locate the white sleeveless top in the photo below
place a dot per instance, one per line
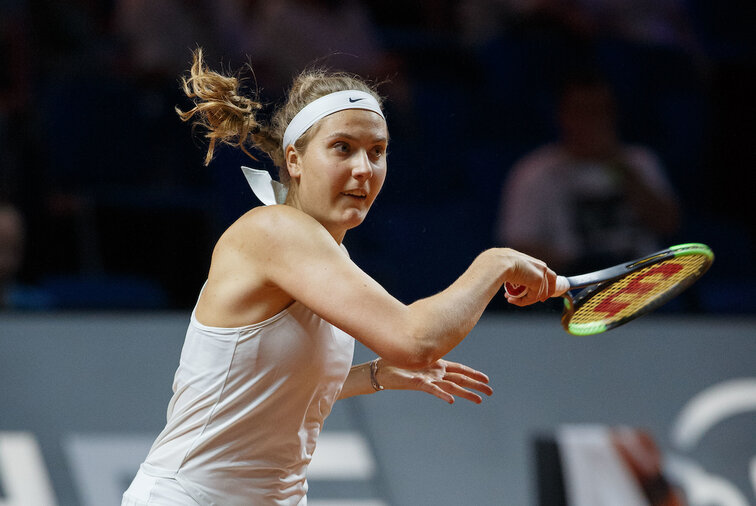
(248, 406)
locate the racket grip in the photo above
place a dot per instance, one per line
(518, 291)
(562, 285)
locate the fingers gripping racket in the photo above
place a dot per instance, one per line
(616, 295)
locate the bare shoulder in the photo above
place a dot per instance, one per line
(242, 283)
(269, 228)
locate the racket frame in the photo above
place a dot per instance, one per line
(599, 280)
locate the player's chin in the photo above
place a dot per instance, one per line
(353, 217)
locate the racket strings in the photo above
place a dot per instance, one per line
(646, 288)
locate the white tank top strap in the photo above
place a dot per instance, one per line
(265, 188)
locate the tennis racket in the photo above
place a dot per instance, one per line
(616, 295)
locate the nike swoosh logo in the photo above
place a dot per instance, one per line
(353, 100)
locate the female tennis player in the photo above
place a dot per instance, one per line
(270, 342)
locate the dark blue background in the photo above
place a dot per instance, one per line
(122, 214)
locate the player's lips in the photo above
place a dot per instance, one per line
(357, 193)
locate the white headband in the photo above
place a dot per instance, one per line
(329, 104)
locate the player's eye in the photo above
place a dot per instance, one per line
(341, 147)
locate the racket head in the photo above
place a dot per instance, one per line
(647, 284)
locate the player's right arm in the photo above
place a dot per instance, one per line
(286, 252)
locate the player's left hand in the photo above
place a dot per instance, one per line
(443, 378)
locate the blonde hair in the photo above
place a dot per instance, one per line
(231, 118)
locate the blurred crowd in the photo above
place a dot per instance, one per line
(105, 204)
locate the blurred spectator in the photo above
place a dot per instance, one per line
(587, 200)
(12, 237)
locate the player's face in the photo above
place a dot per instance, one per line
(342, 169)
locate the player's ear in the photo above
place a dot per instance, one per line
(293, 162)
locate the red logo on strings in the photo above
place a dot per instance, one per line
(637, 287)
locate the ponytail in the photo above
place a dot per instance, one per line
(231, 118)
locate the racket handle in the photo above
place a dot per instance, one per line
(562, 285)
(518, 291)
